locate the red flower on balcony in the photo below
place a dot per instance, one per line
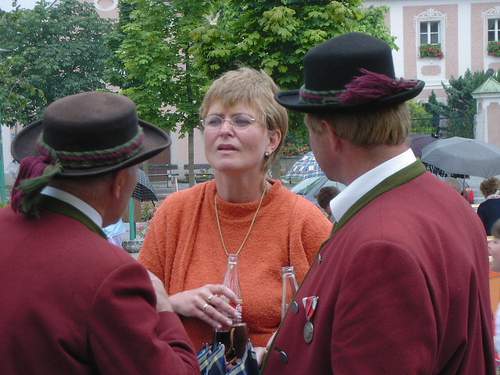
(431, 50)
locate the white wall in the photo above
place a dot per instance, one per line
(179, 149)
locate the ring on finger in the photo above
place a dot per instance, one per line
(205, 306)
(209, 298)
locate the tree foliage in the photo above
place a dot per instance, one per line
(431, 106)
(421, 120)
(154, 61)
(52, 51)
(274, 35)
(166, 52)
(460, 107)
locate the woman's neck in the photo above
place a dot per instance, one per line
(240, 188)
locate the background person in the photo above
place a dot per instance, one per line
(240, 211)
(494, 251)
(454, 184)
(324, 197)
(468, 194)
(73, 303)
(387, 294)
(489, 210)
(116, 232)
(494, 246)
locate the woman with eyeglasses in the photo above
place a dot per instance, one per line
(241, 211)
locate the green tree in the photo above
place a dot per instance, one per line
(19, 99)
(52, 51)
(421, 120)
(115, 73)
(158, 67)
(460, 107)
(433, 107)
(274, 35)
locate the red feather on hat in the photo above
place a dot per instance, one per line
(372, 86)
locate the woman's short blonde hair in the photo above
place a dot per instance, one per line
(489, 186)
(387, 126)
(256, 89)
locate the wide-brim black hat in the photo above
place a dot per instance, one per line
(90, 134)
(349, 73)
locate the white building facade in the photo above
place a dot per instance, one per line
(442, 38)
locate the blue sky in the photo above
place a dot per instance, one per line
(7, 4)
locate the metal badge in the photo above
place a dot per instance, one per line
(308, 331)
(283, 357)
(294, 307)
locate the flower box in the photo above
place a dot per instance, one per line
(494, 49)
(431, 50)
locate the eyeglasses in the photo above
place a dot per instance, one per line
(238, 121)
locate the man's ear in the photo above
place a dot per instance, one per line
(117, 183)
(330, 134)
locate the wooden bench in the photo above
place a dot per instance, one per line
(202, 172)
(162, 172)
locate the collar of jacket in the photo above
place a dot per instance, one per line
(60, 207)
(399, 178)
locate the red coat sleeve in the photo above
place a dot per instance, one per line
(384, 319)
(127, 336)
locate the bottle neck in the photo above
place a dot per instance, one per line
(232, 260)
(231, 278)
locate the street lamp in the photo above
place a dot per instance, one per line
(3, 193)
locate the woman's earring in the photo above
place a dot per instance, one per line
(266, 154)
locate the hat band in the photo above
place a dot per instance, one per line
(319, 97)
(97, 158)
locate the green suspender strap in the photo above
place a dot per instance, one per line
(397, 179)
(60, 207)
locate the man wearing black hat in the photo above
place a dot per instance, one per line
(401, 286)
(72, 303)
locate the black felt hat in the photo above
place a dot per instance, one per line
(348, 73)
(90, 134)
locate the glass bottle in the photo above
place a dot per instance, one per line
(235, 337)
(232, 281)
(288, 289)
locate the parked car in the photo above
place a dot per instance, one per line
(311, 186)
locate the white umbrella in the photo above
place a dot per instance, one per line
(304, 168)
(464, 156)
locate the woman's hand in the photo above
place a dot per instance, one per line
(210, 303)
(162, 300)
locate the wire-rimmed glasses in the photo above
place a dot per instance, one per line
(238, 121)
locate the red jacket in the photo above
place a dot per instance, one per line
(72, 303)
(403, 289)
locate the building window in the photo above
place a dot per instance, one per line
(493, 29)
(429, 32)
(430, 40)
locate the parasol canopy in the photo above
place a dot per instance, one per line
(463, 156)
(144, 190)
